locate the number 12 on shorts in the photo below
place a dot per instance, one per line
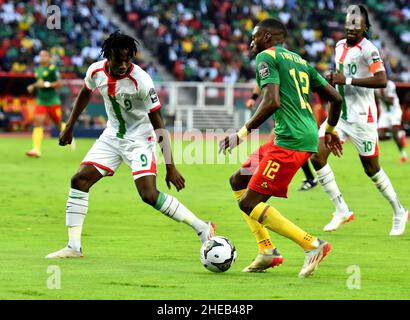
(271, 169)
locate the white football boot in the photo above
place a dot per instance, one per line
(337, 220)
(205, 236)
(66, 252)
(265, 261)
(399, 223)
(313, 258)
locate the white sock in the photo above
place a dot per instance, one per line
(174, 209)
(382, 182)
(327, 180)
(76, 210)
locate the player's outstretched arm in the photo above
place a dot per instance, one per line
(269, 104)
(332, 140)
(379, 80)
(66, 136)
(173, 176)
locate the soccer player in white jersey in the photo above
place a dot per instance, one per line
(359, 70)
(390, 117)
(133, 110)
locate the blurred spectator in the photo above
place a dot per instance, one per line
(76, 45)
(208, 40)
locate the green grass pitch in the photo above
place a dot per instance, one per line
(133, 252)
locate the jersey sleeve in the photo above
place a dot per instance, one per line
(266, 69)
(372, 59)
(88, 80)
(316, 80)
(149, 95)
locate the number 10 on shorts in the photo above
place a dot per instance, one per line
(368, 146)
(271, 169)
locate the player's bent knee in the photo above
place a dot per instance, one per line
(318, 162)
(246, 206)
(233, 180)
(80, 181)
(238, 182)
(149, 197)
(371, 170)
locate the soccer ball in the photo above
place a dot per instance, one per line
(218, 254)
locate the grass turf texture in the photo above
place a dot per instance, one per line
(133, 252)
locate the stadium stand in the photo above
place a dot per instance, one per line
(74, 46)
(395, 17)
(208, 40)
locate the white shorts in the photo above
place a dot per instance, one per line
(363, 135)
(390, 119)
(107, 153)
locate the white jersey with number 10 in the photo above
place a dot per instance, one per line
(359, 61)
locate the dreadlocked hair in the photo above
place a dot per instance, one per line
(118, 41)
(365, 14)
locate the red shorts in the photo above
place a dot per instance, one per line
(273, 168)
(53, 111)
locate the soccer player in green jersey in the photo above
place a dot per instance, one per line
(310, 182)
(48, 101)
(285, 80)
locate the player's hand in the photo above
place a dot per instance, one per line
(31, 88)
(230, 142)
(250, 103)
(329, 77)
(339, 78)
(66, 137)
(39, 83)
(173, 176)
(333, 143)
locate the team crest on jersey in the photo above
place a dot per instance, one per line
(153, 95)
(263, 70)
(264, 184)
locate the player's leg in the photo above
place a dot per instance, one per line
(327, 180)
(76, 210)
(268, 255)
(382, 133)
(399, 137)
(310, 181)
(101, 160)
(381, 180)
(171, 207)
(273, 176)
(40, 113)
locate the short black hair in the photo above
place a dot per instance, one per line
(118, 41)
(273, 24)
(365, 14)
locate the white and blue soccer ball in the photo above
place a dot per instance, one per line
(218, 254)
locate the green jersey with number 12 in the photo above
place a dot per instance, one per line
(295, 125)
